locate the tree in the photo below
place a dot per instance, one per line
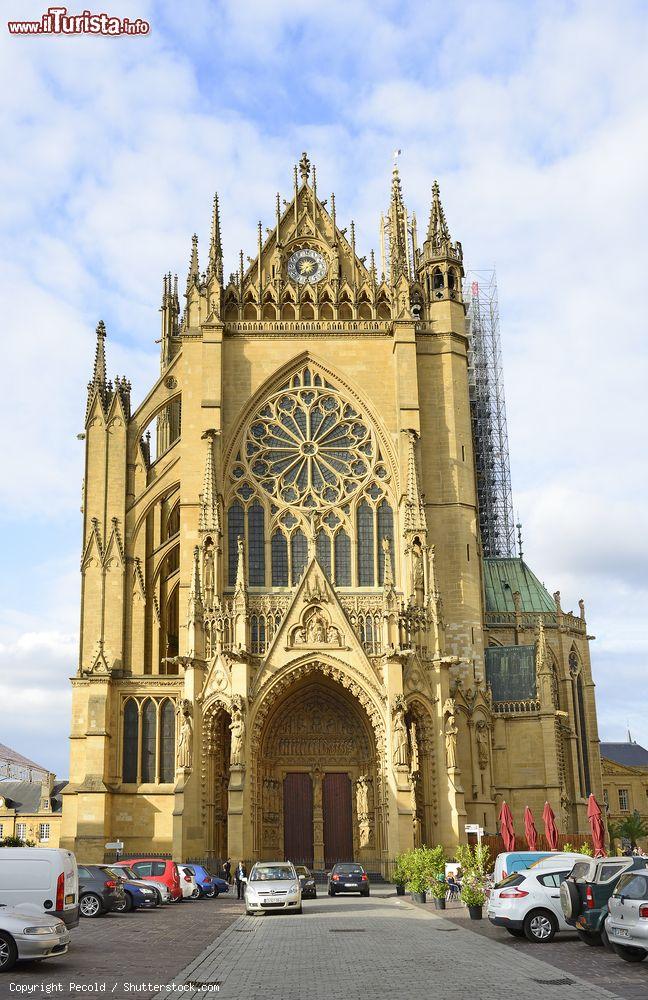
(631, 828)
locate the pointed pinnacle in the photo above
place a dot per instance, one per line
(194, 274)
(99, 370)
(216, 246)
(438, 232)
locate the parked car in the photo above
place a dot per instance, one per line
(209, 885)
(188, 882)
(163, 894)
(348, 877)
(138, 895)
(585, 893)
(100, 891)
(46, 878)
(157, 870)
(627, 922)
(527, 903)
(273, 885)
(307, 880)
(28, 933)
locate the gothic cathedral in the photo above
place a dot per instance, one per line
(292, 644)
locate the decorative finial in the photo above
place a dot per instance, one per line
(304, 168)
(215, 246)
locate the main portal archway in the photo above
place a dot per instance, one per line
(318, 777)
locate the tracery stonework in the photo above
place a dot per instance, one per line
(290, 638)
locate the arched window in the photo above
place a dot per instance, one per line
(365, 545)
(385, 530)
(256, 546)
(167, 742)
(279, 548)
(437, 278)
(235, 527)
(451, 279)
(580, 697)
(342, 559)
(258, 633)
(323, 552)
(147, 769)
(299, 553)
(129, 750)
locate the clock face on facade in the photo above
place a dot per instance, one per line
(306, 266)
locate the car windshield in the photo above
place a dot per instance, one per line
(580, 870)
(348, 869)
(272, 873)
(632, 886)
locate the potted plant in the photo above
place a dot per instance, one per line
(418, 874)
(473, 894)
(399, 874)
(438, 890)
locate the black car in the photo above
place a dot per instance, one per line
(348, 877)
(100, 891)
(307, 882)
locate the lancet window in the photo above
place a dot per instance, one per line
(148, 741)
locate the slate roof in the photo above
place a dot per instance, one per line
(504, 576)
(25, 796)
(13, 757)
(628, 754)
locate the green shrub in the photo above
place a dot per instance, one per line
(473, 891)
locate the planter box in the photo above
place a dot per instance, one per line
(418, 897)
(439, 904)
(400, 890)
(475, 912)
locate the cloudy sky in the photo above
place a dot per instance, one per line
(533, 117)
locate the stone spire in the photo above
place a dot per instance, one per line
(438, 233)
(195, 589)
(195, 612)
(397, 223)
(216, 246)
(415, 519)
(193, 278)
(98, 383)
(209, 517)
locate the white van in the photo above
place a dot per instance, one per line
(45, 877)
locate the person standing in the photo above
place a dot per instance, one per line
(240, 876)
(227, 871)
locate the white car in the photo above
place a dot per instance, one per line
(27, 933)
(46, 877)
(188, 883)
(527, 903)
(273, 885)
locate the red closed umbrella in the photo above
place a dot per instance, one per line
(507, 832)
(551, 830)
(530, 830)
(595, 820)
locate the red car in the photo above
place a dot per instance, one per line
(158, 870)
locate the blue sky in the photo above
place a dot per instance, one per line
(535, 121)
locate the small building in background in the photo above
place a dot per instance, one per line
(625, 782)
(30, 800)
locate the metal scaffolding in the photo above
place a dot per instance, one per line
(488, 412)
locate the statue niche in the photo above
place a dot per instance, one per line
(315, 630)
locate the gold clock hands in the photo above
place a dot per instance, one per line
(306, 266)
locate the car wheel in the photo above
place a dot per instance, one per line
(515, 931)
(195, 894)
(90, 905)
(300, 910)
(331, 893)
(540, 926)
(591, 940)
(629, 954)
(8, 952)
(126, 904)
(211, 892)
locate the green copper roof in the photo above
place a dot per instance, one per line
(502, 577)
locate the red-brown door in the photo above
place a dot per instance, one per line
(298, 818)
(338, 819)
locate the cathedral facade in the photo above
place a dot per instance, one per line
(291, 644)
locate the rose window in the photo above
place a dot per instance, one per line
(310, 448)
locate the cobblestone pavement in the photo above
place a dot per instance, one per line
(149, 946)
(382, 947)
(568, 954)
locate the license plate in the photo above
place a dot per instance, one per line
(621, 932)
(350, 885)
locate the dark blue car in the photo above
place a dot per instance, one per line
(348, 878)
(137, 897)
(209, 885)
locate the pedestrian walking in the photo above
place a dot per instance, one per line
(239, 877)
(227, 871)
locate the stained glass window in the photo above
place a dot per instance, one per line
(299, 553)
(279, 546)
(385, 530)
(365, 519)
(167, 742)
(129, 752)
(256, 546)
(342, 559)
(323, 551)
(148, 741)
(235, 527)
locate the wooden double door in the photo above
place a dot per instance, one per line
(299, 818)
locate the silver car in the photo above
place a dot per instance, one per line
(27, 933)
(273, 885)
(627, 922)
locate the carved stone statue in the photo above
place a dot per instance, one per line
(482, 745)
(208, 572)
(237, 729)
(317, 629)
(451, 732)
(400, 735)
(414, 763)
(418, 573)
(362, 797)
(185, 739)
